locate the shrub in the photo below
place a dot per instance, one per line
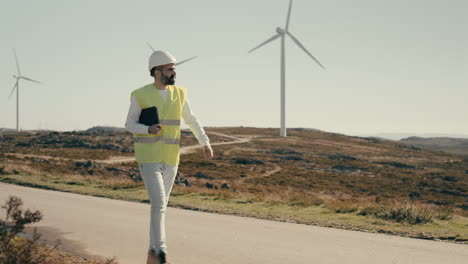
(400, 214)
(247, 161)
(17, 250)
(12, 248)
(444, 213)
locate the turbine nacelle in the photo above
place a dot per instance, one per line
(280, 31)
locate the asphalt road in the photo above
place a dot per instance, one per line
(91, 226)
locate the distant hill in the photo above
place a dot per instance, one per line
(89, 130)
(101, 129)
(450, 145)
(399, 136)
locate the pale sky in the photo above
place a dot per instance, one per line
(392, 66)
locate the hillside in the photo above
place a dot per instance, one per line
(450, 145)
(308, 169)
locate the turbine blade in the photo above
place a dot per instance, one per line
(179, 63)
(289, 15)
(303, 48)
(26, 78)
(17, 64)
(149, 45)
(14, 87)
(265, 42)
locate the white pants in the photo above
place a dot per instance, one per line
(158, 179)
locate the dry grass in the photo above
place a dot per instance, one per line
(308, 169)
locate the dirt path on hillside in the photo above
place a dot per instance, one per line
(122, 159)
(266, 174)
(236, 140)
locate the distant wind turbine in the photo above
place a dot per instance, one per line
(178, 63)
(282, 33)
(16, 86)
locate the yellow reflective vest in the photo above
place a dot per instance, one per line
(163, 147)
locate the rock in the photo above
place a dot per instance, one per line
(201, 175)
(34, 160)
(187, 183)
(107, 147)
(449, 178)
(397, 164)
(179, 180)
(24, 144)
(3, 171)
(115, 169)
(294, 158)
(6, 138)
(348, 168)
(414, 195)
(126, 150)
(104, 129)
(344, 167)
(453, 193)
(88, 164)
(136, 177)
(423, 184)
(225, 186)
(247, 161)
(76, 143)
(341, 157)
(211, 186)
(285, 152)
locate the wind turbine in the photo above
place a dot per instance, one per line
(280, 32)
(178, 63)
(16, 86)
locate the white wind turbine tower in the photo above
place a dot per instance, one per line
(282, 33)
(16, 86)
(177, 63)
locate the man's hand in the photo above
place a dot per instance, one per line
(155, 129)
(208, 152)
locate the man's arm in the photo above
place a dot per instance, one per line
(197, 129)
(133, 115)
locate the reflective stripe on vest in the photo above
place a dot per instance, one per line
(156, 139)
(147, 139)
(170, 122)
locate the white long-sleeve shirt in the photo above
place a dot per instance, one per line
(190, 119)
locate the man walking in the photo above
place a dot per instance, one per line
(157, 146)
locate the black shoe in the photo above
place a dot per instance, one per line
(162, 257)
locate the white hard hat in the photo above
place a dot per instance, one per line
(160, 57)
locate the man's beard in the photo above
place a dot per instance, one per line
(169, 80)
